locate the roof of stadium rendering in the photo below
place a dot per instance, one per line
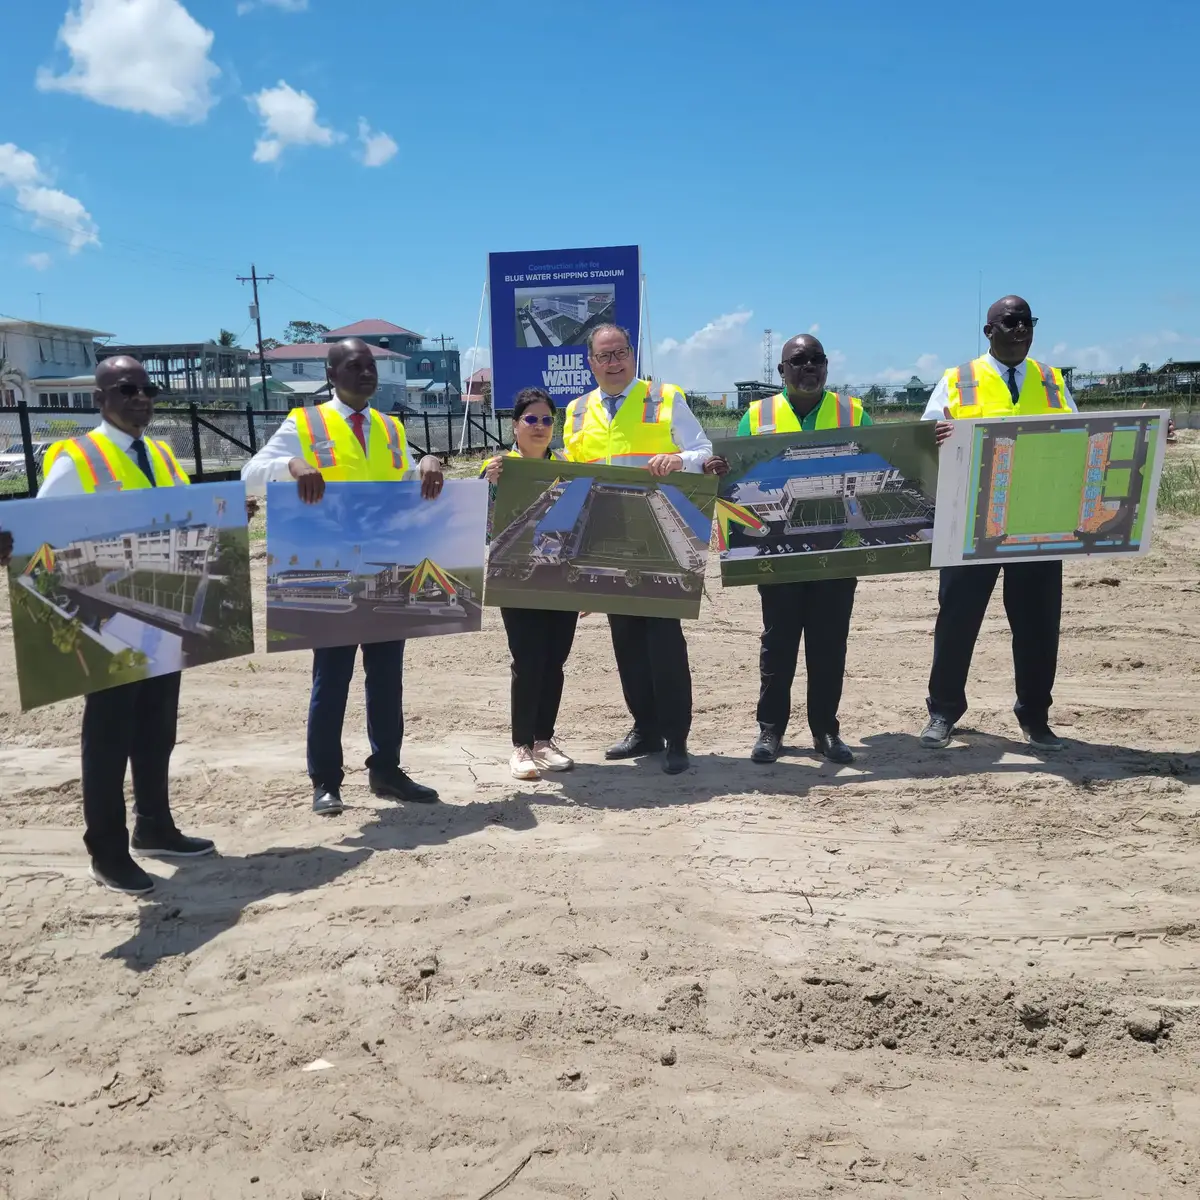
(693, 517)
(564, 512)
(775, 472)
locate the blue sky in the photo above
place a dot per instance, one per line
(849, 166)
(62, 519)
(390, 522)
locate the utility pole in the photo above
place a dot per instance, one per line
(442, 339)
(254, 279)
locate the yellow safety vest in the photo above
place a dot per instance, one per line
(328, 443)
(640, 430)
(776, 415)
(101, 463)
(977, 389)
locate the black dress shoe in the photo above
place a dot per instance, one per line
(1042, 737)
(327, 802)
(766, 749)
(633, 745)
(395, 785)
(122, 875)
(676, 761)
(170, 843)
(831, 746)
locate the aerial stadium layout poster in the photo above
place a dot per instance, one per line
(373, 562)
(115, 587)
(592, 538)
(1022, 490)
(827, 504)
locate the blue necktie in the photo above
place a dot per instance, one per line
(143, 460)
(610, 403)
(1013, 390)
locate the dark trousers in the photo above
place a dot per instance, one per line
(819, 611)
(539, 642)
(1033, 602)
(383, 664)
(128, 726)
(652, 660)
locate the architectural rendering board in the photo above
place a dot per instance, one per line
(115, 587)
(827, 504)
(1019, 490)
(592, 538)
(373, 562)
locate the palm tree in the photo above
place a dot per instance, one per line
(225, 338)
(12, 379)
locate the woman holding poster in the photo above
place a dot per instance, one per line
(538, 639)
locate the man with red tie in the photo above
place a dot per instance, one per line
(347, 439)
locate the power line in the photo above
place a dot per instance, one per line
(320, 303)
(255, 279)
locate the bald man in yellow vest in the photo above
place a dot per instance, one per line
(818, 610)
(347, 439)
(625, 421)
(1003, 383)
(130, 728)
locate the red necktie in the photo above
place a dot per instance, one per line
(356, 423)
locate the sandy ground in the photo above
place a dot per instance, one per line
(912, 977)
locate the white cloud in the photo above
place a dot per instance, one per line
(39, 262)
(483, 358)
(289, 118)
(378, 148)
(146, 56)
(293, 6)
(928, 365)
(711, 359)
(50, 208)
(814, 328)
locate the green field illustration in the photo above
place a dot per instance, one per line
(600, 539)
(1072, 485)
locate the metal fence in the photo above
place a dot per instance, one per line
(214, 443)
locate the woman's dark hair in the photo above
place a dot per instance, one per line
(526, 398)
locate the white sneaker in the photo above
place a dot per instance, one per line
(522, 763)
(550, 758)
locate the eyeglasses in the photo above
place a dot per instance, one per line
(129, 390)
(530, 419)
(804, 360)
(1012, 324)
(613, 356)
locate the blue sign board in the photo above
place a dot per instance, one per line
(543, 305)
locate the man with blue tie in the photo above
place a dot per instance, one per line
(130, 727)
(346, 439)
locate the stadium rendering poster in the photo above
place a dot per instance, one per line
(543, 305)
(1021, 490)
(827, 504)
(116, 587)
(373, 562)
(578, 536)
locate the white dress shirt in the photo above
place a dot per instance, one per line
(694, 445)
(63, 479)
(270, 464)
(936, 408)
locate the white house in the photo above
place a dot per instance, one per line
(303, 363)
(50, 366)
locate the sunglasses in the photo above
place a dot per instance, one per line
(1012, 324)
(530, 419)
(804, 360)
(129, 390)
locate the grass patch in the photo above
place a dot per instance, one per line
(1179, 488)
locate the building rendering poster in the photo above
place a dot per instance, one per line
(828, 504)
(1022, 490)
(373, 562)
(116, 587)
(590, 538)
(543, 305)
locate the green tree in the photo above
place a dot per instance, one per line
(304, 332)
(271, 344)
(227, 338)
